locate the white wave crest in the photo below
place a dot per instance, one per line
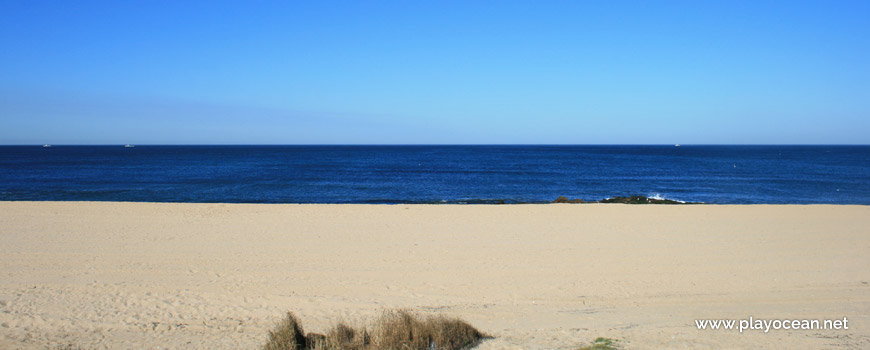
(659, 196)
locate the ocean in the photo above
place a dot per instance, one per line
(436, 174)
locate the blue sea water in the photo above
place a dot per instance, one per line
(435, 174)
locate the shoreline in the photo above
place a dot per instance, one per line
(218, 275)
(687, 204)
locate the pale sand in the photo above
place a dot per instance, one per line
(216, 276)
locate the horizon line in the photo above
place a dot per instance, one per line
(430, 144)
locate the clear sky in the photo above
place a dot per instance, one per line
(434, 72)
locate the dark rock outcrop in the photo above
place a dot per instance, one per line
(563, 199)
(639, 200)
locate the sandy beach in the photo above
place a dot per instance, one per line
(217, 276)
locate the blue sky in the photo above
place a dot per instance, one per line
(410, 72)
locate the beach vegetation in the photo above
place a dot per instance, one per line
(393, 330)
(601, 343)
(70, 347)
(287, 335)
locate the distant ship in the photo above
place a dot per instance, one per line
(128, 146)
(46, 146)
(677, 145)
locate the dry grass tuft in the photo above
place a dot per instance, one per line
(394, 330)
(345, 337)
(288, 335)
(403, 330)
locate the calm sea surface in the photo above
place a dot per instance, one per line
(435, 174)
